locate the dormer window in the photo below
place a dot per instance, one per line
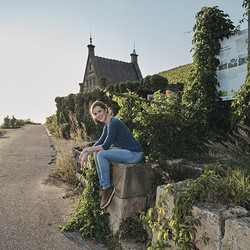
(90, 66)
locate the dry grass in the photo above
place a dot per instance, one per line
(65, 165)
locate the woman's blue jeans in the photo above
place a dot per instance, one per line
(103, 157)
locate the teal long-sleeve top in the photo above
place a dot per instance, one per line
(117, 134)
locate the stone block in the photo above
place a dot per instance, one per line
(186, 169)
(132, 180)
(212, 218)
(124, 208)
(168, 204)
(237, 234)
(114, 222)
(168, 198)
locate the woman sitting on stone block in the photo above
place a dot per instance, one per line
(126, 148)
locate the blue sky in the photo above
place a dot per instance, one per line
(43, 45)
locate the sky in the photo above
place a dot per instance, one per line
(43, 44)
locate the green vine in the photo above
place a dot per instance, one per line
(200, 96)
(88, 218)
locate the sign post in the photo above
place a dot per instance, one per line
(232, 70)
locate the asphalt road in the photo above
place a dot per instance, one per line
(32, 211)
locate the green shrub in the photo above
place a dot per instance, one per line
(159, 125)
(241, 104)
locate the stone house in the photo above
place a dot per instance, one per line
(101, 71)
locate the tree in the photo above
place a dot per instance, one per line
(13, 122)
(6, 122)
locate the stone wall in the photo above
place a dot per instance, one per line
(133, 191)
(228, 228)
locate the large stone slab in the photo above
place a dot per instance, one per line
(132, 180)
(212, 218)
(167, 197)
(129, 207)
(237, 234)
(120, 209)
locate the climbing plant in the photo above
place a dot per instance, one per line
(88, 218)
(200, 94)
(241, 103)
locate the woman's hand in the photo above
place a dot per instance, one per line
(83, 158)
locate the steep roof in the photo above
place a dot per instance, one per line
(114, 71)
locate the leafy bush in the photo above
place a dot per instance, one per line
(159, 125)
(133, 228)
(241, 104)
(1, 132)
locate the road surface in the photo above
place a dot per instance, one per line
(32, 211)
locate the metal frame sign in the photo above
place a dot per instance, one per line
(232, 70)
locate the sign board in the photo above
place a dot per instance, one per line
(232, 70)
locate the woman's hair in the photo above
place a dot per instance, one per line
(100, 104)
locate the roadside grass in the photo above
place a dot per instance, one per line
(1, 132)
(64, 167)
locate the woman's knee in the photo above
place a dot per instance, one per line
(100, 154)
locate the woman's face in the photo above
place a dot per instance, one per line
(99, 113)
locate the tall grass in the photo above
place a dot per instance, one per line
(237, 149)
(65, 165)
